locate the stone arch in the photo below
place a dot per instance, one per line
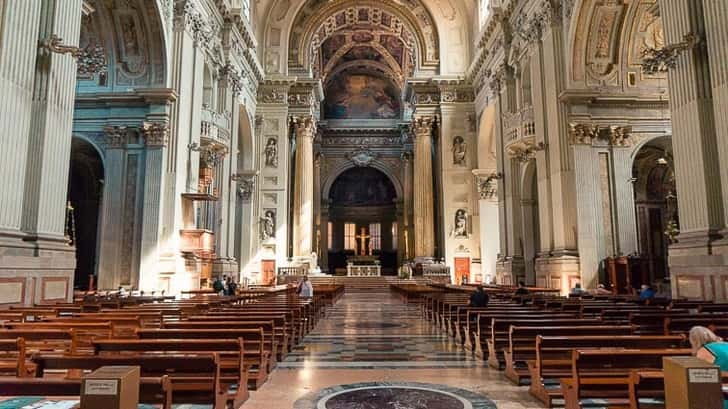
(130, 37)
(486, 139)
(608, 39)
(449, 17)
(247, 158)
(344, 166)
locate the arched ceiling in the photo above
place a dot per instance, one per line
(126, 38)
(303, 36)
(609, 39)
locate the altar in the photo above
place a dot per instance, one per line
(363, 266)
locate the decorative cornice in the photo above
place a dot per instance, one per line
(233, 77)
(156, 134)
(246, 184)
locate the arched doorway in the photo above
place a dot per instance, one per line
(85, 192)
(656, 207)
(362, 198)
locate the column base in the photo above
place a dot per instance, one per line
(35, 270)
(510, 270)
(559, 272)
(699, 266)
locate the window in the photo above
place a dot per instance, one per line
(375, 231)
(484, 11)
(330, 235)
(394, 235)
(350, 236)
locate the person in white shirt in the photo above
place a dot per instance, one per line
(305, 288)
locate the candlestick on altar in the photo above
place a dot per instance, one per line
(406, 244)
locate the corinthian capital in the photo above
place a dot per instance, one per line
(115, 136)
(422, 126)
(304, 126)
(155, 133)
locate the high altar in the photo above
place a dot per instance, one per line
(364, 264)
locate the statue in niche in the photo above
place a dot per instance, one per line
(459, 151)
(271, 153)
(460, 229)
(268, 225)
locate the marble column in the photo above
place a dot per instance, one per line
(405, 228)
(49, 142)
(716, 21)
(423, 191)
(303, 195)
(156, 136)
(111, 226)
(697, 271)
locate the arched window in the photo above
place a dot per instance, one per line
(484, 11)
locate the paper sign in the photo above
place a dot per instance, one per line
(703, 375)
(101, 386)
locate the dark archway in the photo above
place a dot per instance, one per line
(85, 193)
(656, 207)
(362, 197)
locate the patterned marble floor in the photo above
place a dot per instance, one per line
(374, 338)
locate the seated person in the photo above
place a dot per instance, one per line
(646, 292)
(479, 299)
(522, 290)
(577, 290)
(710, 348)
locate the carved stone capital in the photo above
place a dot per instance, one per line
(233, 78)
(156, 134)
(525, 152)
(304, 127)
(188, 18)
(487, 184)
(422, 126)
(115, 136)
(595, 134)
(246, 185)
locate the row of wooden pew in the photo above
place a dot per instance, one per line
(572, 352)
(203, 350)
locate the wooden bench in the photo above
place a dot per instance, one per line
(604, 374)
(12, 357)
(255, 355)
(522, 344)
(152, 391)
(194, 378)
(554, 357)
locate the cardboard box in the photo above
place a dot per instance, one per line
(111, 387)
(691, 383)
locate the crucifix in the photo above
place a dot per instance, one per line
(362, 238)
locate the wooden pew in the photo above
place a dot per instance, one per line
(256, 356)
(231, 352)
(522, 344)
(554, 357)
(604, 374)
(152, 391)
(194, 378)
(12, 357)
(650, 384)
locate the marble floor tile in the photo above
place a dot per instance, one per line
(374, 338)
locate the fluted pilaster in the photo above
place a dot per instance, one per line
(305, 129)
(423, 194)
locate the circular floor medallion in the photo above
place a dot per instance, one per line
(382, 395)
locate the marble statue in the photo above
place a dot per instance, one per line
(271, 153)
(460, 230)
(459, 151)
(268, 226)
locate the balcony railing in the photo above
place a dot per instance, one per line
(519, 125)
(215, 127)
